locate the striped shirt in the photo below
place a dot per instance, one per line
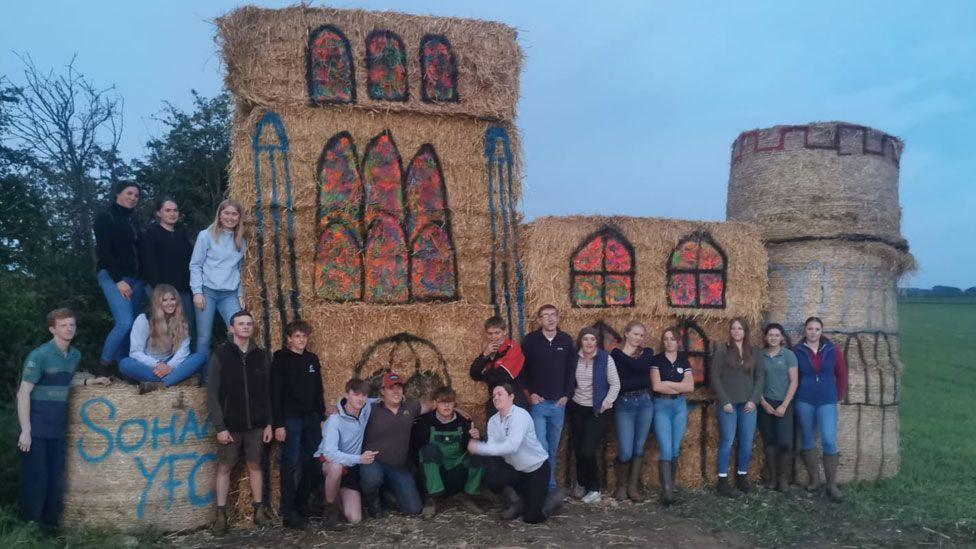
(51, 372)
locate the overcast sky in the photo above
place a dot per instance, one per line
(640, 98)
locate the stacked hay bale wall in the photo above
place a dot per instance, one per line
(639, 254)
(825, 198)
(139, 461)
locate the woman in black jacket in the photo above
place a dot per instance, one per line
(164, 252)
(117, 248)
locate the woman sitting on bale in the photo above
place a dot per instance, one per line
(215, 271)
(159, 347)
(671, 379)
(594, 388)
(633, 410)
(776, 413)
(117, 238)
(738, 382)
(522, 472)
(823, 383)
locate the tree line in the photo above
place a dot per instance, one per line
(59, 157)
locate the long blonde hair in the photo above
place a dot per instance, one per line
(216, 227)
(166, 332)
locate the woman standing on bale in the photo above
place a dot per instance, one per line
(117, 247)
(823, 383)
(776, 413)
(165, 253)
(634, 410)
(594, 388)
(215, 271)
(738, 382)
(671, 379)
(159, 353)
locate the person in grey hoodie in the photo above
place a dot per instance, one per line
(341, 453)
(215, 271)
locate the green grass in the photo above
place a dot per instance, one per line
(936, 487)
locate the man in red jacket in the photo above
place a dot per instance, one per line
(500, 362)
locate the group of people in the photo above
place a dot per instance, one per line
(375, 453)
(187, 283)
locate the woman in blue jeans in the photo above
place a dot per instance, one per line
(823, 383)
(159, 354)
(215, 271)
(634, 410)
(117, 238)
(738, 380)
(671, 380)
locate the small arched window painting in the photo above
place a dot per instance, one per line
(438, 68)
(338, 266)
(602, 271)
(697, 273)
(385, 262)
(386, 66)
(382, 177)
(330, 67)
(692, 340)
(432, 265)
(340, 187)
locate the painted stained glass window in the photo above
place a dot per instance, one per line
(438, 68)
(433, 267)
(330, 67)
(602, 271)
(385, 251)
(692, 340)
(607, 338)
(697, 273)
(338, 265)
(386, 66)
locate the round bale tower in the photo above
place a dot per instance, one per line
(825, 199)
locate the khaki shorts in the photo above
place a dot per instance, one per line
(252, 442)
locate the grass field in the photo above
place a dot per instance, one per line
(932, 500)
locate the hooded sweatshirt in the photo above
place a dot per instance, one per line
(342, 434)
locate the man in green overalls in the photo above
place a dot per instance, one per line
(441, 438)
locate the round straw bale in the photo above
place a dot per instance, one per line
(139, 461)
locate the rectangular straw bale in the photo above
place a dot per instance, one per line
(265, 54)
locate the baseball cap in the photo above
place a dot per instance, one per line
(391, 379)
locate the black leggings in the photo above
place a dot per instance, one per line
(533, 487)
(776, 431)
(587, 433)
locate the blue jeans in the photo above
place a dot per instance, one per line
(123, 310)
(42, 481)
(670, 420)
(137, 371)
(739, 424)
(809, 417)
(547, 418)
(632, 416)
(298, 468)
(225, 301)
(375, 475)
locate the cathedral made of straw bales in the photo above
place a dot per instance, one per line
(377, 160)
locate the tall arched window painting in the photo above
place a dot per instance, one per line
(692, 340)
(338, 261)
(385, 251)
(438, 70)
(433, 265)
(386, 66)
(602, 271)
(697, 273)
(329, 67)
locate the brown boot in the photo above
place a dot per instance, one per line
(667, 484)
(783, 464)
(261, 515)
(219, 527)
(634, 480)
(810, 460)
(623, 471)
(769, 467)
(331, 515)
(830, 471)
(674, 474)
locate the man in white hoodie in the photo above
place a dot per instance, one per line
(341, 453)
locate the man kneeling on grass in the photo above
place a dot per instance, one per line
(441, 437)
(341, 453)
